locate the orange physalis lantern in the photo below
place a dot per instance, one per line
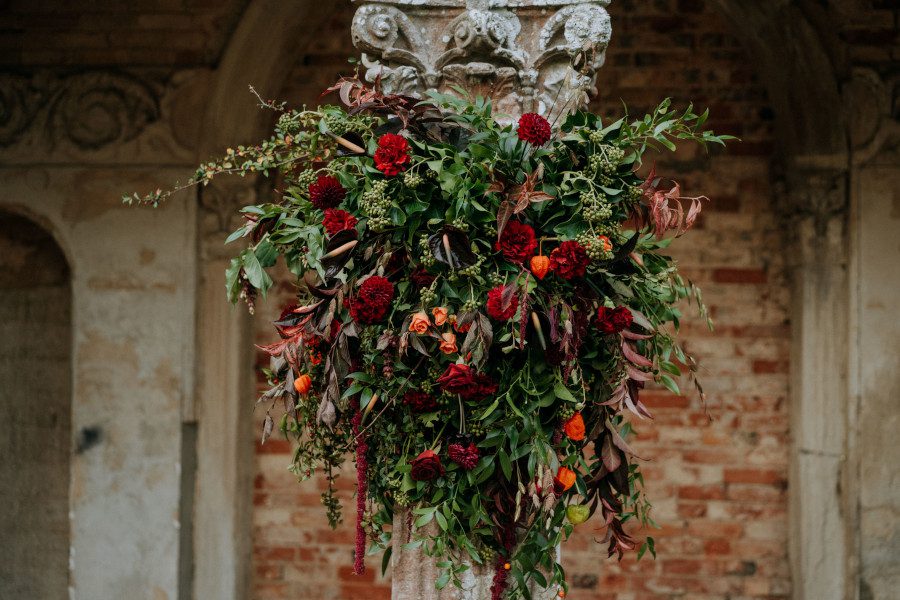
(565, 478)
(540, 265)
(574, 427)
(302, 384)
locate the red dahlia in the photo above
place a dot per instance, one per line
(497, 308)
(534, 129)
(419, 402)
(517, 242)
(464, 456)
(337, 220)
(326, 192)
(392, 155)
(613, 320)
(569, 260)
(372, 301)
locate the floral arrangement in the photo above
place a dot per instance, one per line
(478, 306)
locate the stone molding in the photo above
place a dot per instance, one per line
(527, 55)
(99, 116)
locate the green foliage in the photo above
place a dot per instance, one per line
(432, 230)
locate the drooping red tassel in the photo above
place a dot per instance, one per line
(362, 488)
(499, 584)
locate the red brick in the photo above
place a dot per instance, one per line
(755, 276)
(770, 366)
(764, 476)
(717, 546)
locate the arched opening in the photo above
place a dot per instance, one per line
(35, 411)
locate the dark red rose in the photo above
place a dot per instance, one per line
(326, 192)
(421, 277)
(462, 380)
(337, 220)
(496, 307)
(464, 456)
(392, 155)
(613, 320)
(419, 402)
(372, 301)
(517, 243)
(426, 466)
(569, 260)
(534, 129)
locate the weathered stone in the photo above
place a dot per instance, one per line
(527, 55)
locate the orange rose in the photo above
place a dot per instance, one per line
(565, 478)
(448, 343)
(420, 323)
(574, 427)
(440, 315)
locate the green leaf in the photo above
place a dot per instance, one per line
(505, 464)
(563, 393)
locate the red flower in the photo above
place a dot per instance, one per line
(326, 192)
(613, 320)
(464, 456)
(392, 155)
(569, 260)
(337, 220)
(372, 301)
(460, 379)
(421, 277)
(426, 466)
(517, 242)
(534, 129)
(496, 307)
(419, 402)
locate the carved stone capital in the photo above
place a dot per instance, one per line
(220, 203)
(527, 55)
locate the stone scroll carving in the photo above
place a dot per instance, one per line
(87, 110)
(527, 55)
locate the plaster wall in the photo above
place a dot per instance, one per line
(133, 280)
(878, 399)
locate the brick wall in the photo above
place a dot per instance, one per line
(719, 487)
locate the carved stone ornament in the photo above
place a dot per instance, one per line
(87, 110)
(527, 55)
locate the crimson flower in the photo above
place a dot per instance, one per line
(392, 155)
(534, 129)
(426, 466)
(613, 320)
(569, 260)
(421, 277)
(337, 220)
(372, 301)
(419, 402)
(517, 242)
(497, 309)
(462, 380)
(464, 456)
(326, 192)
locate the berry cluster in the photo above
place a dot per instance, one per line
(412, 180)
(598, 248)
(597, 209)
(375, 204)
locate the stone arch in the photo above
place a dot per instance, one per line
(35, 409)
(261, 52)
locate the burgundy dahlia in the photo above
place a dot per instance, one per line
(569, 260)
(497, 308)
(392, 154)
(419, 402)
(337, 220)
(326, 192)
(372, 301)
(426, 466)
(464, 456)
(517, 243)
(534, 129)
(613, 320)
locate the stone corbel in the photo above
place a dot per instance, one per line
(220, 203)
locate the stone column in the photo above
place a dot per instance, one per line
(527, 56)
(818, 500)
